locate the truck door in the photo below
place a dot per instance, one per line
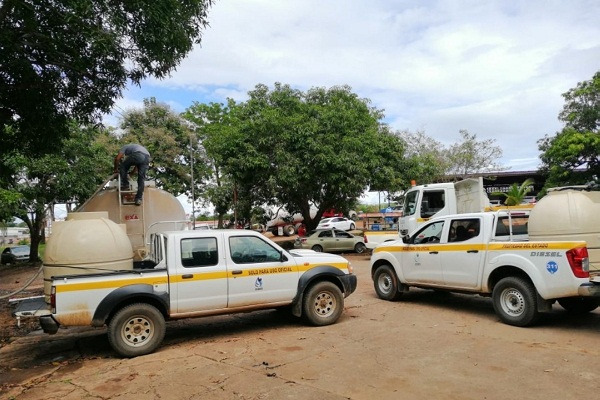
(461, 261)
(421, 258)
(256, 273)
(201, 275)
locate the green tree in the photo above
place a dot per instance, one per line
(322, 147)
(516, 193)
(70, 59)
(471, 156)
(426, 157)
(213, 124)
(572, 156)
(171, 144)
(38, 183)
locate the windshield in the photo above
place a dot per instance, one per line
(410, 201)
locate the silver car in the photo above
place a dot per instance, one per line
(331, 240)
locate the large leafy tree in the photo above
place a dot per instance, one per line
(322, 147)
(572, 156)
(471, 155)
(171, 143)
(69, 176)
(70, 59)
(426, 157)
(213, 125)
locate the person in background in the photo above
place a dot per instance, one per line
(133, 155)
(302, 230)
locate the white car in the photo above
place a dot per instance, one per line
(342, 223)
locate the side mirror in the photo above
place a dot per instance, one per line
(282, 257)
(406, 239)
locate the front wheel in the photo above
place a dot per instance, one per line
(515, 301)
(386, 283)
(136, 329)
(323, 304)
(578, 305)
(352, 227)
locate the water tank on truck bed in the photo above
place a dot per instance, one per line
(569, 213)
(159, 211)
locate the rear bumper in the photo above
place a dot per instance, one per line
(589, 289)
(349, 282)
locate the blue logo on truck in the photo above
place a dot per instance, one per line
(552, 267)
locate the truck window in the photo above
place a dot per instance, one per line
(518, 222)
(464, 229)
(199, 252)
(250, 250)
(433, 201)
(429, 234)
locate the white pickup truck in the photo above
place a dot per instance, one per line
(198, 273)
(472, 253)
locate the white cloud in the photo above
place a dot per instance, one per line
(495, 68)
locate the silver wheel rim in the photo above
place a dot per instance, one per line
(512, 302)
(385, 283)
(137, 331)
(325, 304)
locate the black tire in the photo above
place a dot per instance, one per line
(322, 304)
(289, 230)
(579, 305)
(515, 301)
(317, 248)
(352, 227)
(136, 329)
(386, 283)
(360, 248)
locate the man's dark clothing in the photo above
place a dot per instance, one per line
(137, 155)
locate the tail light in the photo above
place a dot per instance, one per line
(579, 262)
(366, 240)
(53, 300)
(303, 240)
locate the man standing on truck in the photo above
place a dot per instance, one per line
(138, 156)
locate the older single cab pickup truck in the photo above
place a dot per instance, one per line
(470, 253)
(199, 273)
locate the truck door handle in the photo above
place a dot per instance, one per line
(187, 276)
(472, 251)
(236, 272)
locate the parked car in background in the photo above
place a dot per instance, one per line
(330, 240)
(11, 255)
(342, 223)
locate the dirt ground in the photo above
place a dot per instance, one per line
(428, 345)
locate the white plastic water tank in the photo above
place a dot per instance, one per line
(568, 214)
(86, 243)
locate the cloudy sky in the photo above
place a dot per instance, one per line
(496, 68)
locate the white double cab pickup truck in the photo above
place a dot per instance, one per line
(476, 253)
(198, 273)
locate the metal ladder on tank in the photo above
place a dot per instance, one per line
(132, 216)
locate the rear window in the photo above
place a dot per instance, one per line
(519, 225)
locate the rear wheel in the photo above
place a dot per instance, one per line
(136, 329)
(317, 248)
(578, 305)
(352, 227)
(515, 301)
(323, 304)
(359, 247)
(386, 283)
(289, 230)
